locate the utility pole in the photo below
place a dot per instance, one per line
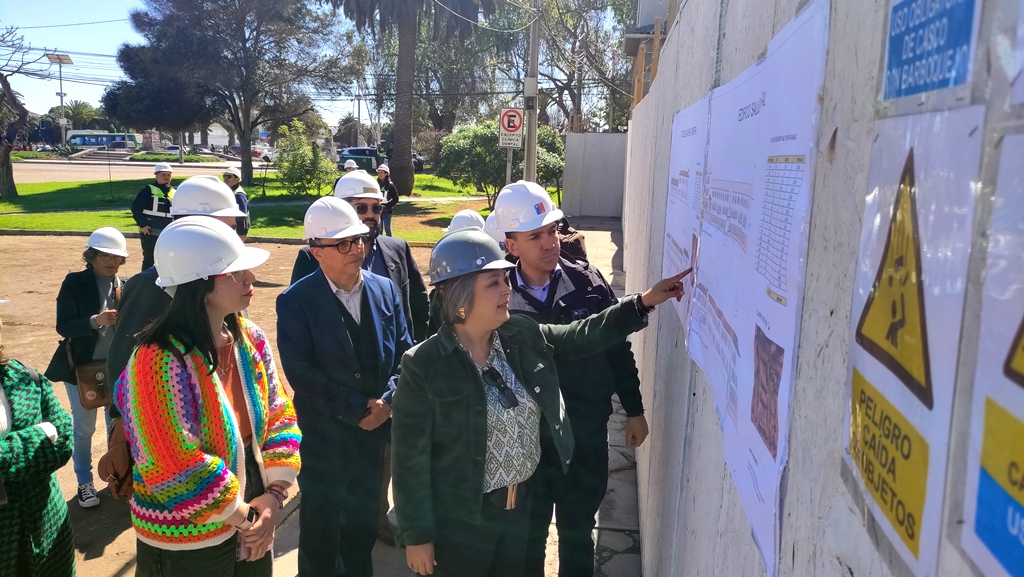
(359, 117)
(530, 97)
(60, 60)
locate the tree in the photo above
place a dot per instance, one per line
(257, 56)
(300, 165)
(451, 17)
(470, 156)
(13, 114)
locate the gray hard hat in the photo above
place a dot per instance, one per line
(465, 252)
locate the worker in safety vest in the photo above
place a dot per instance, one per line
(152, 210)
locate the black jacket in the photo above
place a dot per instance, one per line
(152, 206)
(439, 429)
(77, 301)
(588, 383)
(141, 303)
(402, 271)
(390, 192)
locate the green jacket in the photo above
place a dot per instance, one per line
(439, 420)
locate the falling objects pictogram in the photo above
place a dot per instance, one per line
(892, 326)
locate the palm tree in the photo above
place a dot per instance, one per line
(79, 112)
(451, 17)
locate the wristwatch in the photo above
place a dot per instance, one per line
(642, 309)
(250, 518)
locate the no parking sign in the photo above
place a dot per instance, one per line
(510, 128)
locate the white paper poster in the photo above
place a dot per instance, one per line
(685, 196)
(993, 528)
(746, 304)
(905, 322)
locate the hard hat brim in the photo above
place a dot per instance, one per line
(113, 251)
(500, 264)
(354, 230)
(250, 258)
(539, 222)
(369, 195)
(232, 211)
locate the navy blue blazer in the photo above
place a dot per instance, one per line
(317, 353)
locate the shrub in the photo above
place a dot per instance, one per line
(301, 167)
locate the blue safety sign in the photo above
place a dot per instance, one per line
(930, 46)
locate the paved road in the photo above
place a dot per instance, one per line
(72, 172)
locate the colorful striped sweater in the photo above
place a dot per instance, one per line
(189, 473)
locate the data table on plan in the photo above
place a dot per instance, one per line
(784, 179)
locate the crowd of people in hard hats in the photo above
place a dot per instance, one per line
(484, 407)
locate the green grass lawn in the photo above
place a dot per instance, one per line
(420, 222)
(19, 155)
(173, 158)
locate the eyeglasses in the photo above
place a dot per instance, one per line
(227, 176)
(365, 208)
(236, 277)
(345, 246)
(506, 396)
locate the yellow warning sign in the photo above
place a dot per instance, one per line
(892, 457)
(892, 327)
(1014, 366)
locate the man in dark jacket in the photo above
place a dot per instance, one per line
(233, 178)
(390, 192)
(554, 289)
(386, 255)
(341, 337)
(151, 210)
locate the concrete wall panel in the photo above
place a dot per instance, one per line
(692, 521)
(595, 165)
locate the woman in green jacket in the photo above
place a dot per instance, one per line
(35, 441)
(467, 412)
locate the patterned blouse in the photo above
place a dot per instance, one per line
(513, 435)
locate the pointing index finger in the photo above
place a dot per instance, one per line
(682, 275)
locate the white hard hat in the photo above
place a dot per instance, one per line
(492, 230)
(331, 217)
(384, 167)
(524, 206)
(204, 195)
(162, 167)
(465, 219)
(351, 164)
(192, 248)
(233, 172)
(357, 184)
(109, 240)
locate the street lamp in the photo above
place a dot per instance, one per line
(60, 60)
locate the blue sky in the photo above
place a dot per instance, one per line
(92, 48)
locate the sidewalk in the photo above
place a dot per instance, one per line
(618, 525)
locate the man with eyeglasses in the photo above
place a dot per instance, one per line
(233, 178)
(384, 255)
(341, 335)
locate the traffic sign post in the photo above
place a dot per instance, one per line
(510, 135)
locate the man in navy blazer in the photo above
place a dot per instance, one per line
(385, 255)
(341, 335)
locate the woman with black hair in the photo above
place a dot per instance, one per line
(213, 436)
(86, 313)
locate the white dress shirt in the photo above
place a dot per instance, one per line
(352, 300)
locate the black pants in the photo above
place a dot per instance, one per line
(216, 561)
(575, 498)
(148, 244)
(492, 548)
(338, 517)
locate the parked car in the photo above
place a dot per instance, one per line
(172, 149)
(366, 157)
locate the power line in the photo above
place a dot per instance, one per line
(479, 25)
(66, 25)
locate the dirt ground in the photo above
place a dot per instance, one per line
(31, 271)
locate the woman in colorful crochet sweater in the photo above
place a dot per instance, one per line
(35, 441)
(213, 436)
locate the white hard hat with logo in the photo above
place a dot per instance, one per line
(204, 195)
(109, 240)
(193, 247)
(162, 167)
(357, 184)
(524, 206)
(351, 164)
(465, 219)
(331, 217)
